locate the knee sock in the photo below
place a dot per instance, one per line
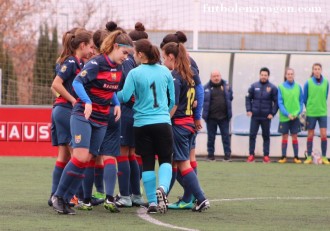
(109, 176)
(191, 182)
(98, 178)
(173, 179)
(284, 147)
(164, 176)
(135, 175)
(193, 164)
(57, 173)
(295, 148)
(139, 161)
(123, 175)
(88, 180)
(309, 146)
(324, 144)
(149, 182)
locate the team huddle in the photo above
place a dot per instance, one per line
(118, 110)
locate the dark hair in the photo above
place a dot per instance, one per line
(118, 37)
(315, 64)
(182, 62)
(71, 42)
(138, 33)
(151, 51)
(177, 37)
(98, 38)
(112, 26)
(264, 69)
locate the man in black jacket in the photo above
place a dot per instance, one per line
(261, 105)
(217, 111)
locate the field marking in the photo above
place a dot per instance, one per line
(269, 198)
(143, 215)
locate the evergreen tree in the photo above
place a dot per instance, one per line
(9, 79)
(44, 66)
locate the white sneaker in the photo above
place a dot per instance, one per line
(124, 201)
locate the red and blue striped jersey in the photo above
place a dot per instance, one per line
(101, 78)
(184, 99)
(67, 72)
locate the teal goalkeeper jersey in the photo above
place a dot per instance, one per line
(153, 89)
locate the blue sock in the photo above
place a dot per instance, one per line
(135, 175)
(190, 182)
(139, 161)
(173, 179)
(124, 173)
(295, 148)
(284, 147)
(165, 176)
(88, 180)
(149, 182)
(324, 144)
(309, 146)
(80, 193)
(57, 173)
(98, 178)
(73, 173)
(110, 176)
(179, 178)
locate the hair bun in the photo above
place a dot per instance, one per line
(139, 26)
(111, 26)
(181, 36)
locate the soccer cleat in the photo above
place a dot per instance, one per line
(325, 160)
(85, 206)
(99, 195)
(68, 210)
(250, 159)
(282, 160)
(111, 206)
(181, 205)
(152, 208)
(266, 159)
(50, 200)
(308, 160)
(74, 201)
(161, 200)
(58, 204)
(199, 207)
(296, 160)
(137, 200)
(124, 201)
(97, 198)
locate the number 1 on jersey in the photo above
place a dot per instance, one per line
(153, 87)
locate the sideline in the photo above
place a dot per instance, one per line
(141, 212)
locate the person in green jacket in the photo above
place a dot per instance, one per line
(315, 98)
(290, 102)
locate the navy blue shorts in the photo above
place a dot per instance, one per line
(193, 142)
(61, 125)
(111, 143)
(311, 122)
(292, 125)
(126, 127)
(182, 143)
(86, 134)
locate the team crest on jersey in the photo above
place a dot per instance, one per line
(113, 76)
(63, 68)
(77, 139)
(268, 89)
(83, 73)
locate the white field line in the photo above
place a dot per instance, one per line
(142, 212)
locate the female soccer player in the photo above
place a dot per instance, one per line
(175, 58)
(95, 86)
(290, 102)
(153, 90)
(129, 171)
(77, 44)
(315, 98)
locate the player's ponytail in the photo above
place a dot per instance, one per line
(182, 62)
(71, 42)
(151, 52)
